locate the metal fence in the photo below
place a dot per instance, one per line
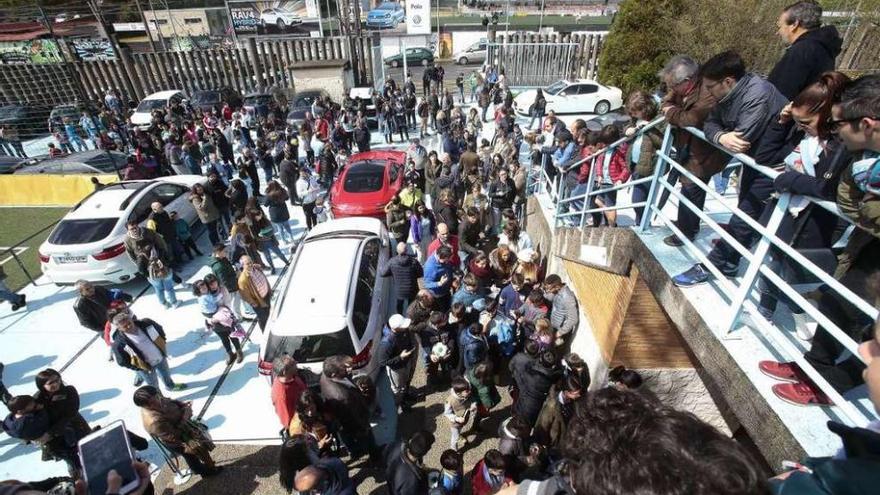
(21, 262)
(532, 59)
(573, 207)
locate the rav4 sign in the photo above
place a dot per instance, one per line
(418, 17)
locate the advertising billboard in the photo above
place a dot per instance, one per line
(289, 18)
(418, 17)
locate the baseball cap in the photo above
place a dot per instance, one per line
(398, 321)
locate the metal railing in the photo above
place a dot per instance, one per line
(572, 209)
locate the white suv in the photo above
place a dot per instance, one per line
(332, 300)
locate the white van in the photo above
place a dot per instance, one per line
(332, 300)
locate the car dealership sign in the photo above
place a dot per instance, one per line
(418, 17)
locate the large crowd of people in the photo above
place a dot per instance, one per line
(474, 306)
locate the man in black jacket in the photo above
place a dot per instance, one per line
(397, 354)
(812, 48)
(405, 271)
(346, 403)
(161, 223)
(92, 304)
(534, 385)
(404, 472)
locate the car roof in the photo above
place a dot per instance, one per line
(162, 95)
(106, 203)
(361, 224)
(316, 294)
(257, 93)
(398, 156)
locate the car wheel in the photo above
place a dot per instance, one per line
(281, 25)
(602, 107)
(424, 62)
(463, 61)
(395, 63)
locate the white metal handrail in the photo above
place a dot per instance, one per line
(756, 257)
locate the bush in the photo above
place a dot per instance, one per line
(638, 45)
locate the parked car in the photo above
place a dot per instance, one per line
(9, 164)
(474, 54)
(417, 55)
(386, 15)
(206, 100)
(302, 103)
(279, 17)
(142, 115)
(84, 162)
(367, 184)
(365, 94)
(573, 96)
(26, 119)
(88, 244)
(72, 111)
(323, 309)
(258, 103)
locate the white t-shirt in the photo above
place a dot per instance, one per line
(148, 349)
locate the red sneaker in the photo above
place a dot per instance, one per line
(786, 372)
(801, 394)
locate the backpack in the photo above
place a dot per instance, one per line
(502, 332)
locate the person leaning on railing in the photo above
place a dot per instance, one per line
(645, 144)
(687, 104)
(813, 159)
(856, 121)
(745, 120)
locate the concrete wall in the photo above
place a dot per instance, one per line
(712, 386)
(330, 79)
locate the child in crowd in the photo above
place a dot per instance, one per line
(184, 235)
(610, 170)
(642, 109)
(544, 335)
(489, 476)
(460, 405)
(451, 475)
(534, 308)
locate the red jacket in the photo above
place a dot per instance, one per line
(479, 485)
(284, 398)
(584, 172)
(618, 169)
(322, 129)
(453, 242)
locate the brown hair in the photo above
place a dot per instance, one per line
(818, 97)
(640, 101)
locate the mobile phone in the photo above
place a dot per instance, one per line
(105, 450)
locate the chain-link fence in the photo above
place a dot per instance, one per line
(21, 259)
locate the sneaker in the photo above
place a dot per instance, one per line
(167, 305)
(695, 276)
(673, 240)
(803, 327)
(786, 372)
(177, 387)
(138, 380)
(175, 304)
(801, 394)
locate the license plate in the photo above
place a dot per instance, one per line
(64, 260)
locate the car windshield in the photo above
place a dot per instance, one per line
(304, 101)
(364, 177)
(258, 100)
(387, 6)
(150, 105)
(206, 97)
(310, 348)
(82, 231)
(555, 87)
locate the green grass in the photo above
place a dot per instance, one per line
(17, 224)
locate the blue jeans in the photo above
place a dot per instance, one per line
(6, 294)
(721, 179)
(269, 247)
(639, 194)
(536, 115)
(150, 377)
(284, 230)
(164, 287)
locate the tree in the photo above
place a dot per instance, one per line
(637, 45)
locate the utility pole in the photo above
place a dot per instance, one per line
(117, 51)
(541, 22)
(146, 26)
(158, 30)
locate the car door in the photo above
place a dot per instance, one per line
(566, 101)
(480, 53)
(367, 311)
(588, 95)
(174, 197)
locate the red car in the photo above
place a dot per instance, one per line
(367, 184)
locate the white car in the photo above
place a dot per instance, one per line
(88, 242)
(277, 16)
(572, 96)
(332, 300)
(142, 116)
